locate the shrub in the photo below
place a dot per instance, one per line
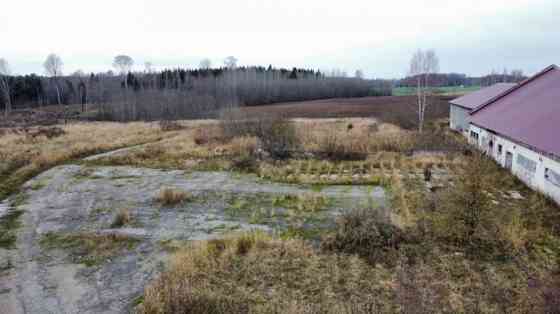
(208, 134)
(245, 163)
(121, 218)
(170, 196)
(279, 139)
(363, 232)
(464, 216)
(335, 148)
(170, 125)
(276, 134)
(246, 145)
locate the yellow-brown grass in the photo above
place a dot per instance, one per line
(252, 273)
(122, 218)
(171, 196)
(22, 157)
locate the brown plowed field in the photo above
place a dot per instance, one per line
(400, 110)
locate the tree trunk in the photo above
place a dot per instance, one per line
(420, 104)
(5, 88)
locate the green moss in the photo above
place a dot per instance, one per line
(138, 300)
(9, 223)
(317, 188)
(40, 184)
(306, 233)
(20, 199)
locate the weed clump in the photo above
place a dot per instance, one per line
(171, 196)
(121, 219)
(308, 202)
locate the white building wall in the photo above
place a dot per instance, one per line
(537, 179)
(458, 118)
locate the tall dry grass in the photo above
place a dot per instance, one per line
(22, 157)
(252, 273)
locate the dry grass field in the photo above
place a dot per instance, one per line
(455, 241)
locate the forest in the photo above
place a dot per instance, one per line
(184, 93)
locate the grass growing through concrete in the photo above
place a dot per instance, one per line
(89, 249)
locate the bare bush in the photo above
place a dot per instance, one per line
(276, 135)
(170, 125)
(364, 232)
(336, 147)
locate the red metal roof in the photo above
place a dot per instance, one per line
(475, 99)
(528, 113)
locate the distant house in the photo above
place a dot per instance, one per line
(461, 107)
(520, 129)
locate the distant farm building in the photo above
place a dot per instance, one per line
(462, 106)
(520, 128)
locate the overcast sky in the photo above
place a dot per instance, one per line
(379, 37)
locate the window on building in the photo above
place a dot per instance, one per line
(474, 136)
(500, 149)
(526, 163)
(552, 176)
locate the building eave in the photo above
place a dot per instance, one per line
(520, 143)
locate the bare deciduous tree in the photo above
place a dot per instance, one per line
(205, 64)
(53, 68)
(5, 86)
(517, 75)
(79, 73)
(148, 67)
(230, 62)
(123, 64)
(359, 74)
(422, 65)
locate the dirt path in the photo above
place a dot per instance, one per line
(78, 200)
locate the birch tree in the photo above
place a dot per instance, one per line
(148, 67)
(5, 86)
(359, 74)
(53, 68)
(123, 64)
(230, 62)
(422, 65)
(205, 64)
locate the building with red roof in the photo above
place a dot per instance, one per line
(461, 107)
(520, 129)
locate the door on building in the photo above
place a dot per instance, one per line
(509, 160)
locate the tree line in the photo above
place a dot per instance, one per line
(125, 95)
(459, 79)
